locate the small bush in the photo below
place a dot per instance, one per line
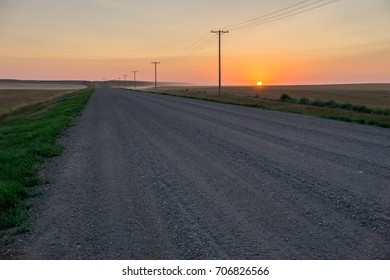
(361, 109)
(386, 112)
(330, 104)
(22, 229)
(346, 106)
(304, 101)
(286, 98)
(318, 103)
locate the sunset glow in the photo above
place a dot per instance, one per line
(259, 84)
(345, 42)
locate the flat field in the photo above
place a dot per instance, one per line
(359, 103)
(370, 95)
(15, 95)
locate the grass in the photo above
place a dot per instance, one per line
(10, 99)
(17, 97)
(370, 116)
(355, 113)
(21, 230)
(370, 95)
(8, 240)
(333, 104)
(24, 144)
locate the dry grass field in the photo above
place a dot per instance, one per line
(360, 103)
(16, 95)
(370, 95)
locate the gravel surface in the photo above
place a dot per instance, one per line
(147, 176)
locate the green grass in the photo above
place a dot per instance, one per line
(335, 105)
(24, 144)
(21, 230)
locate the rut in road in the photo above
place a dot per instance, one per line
(147, 176)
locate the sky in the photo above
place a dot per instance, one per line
(346, 41)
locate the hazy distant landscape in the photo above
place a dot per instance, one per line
(364, 103)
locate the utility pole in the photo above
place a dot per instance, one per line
(219, 33)
(155, 74)
(135, 80)
(125, 79)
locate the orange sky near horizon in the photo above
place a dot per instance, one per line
(343, 42)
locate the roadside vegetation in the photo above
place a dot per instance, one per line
(24, 144)
(333, 104)
(346, 111)
(330, 109)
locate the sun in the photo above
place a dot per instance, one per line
(259, 84)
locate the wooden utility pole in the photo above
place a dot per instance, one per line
(219, 33)
(135, 80)
(155, 74)
(125, 79)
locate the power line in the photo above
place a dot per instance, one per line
(289, 11)
(272, 13)
(205, 40)
(195, 44)
(283, 15)
(202, 46)
(193, 48)
(276, 15)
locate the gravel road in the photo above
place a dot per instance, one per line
(147, 176)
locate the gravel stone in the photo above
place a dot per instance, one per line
(146, 176)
